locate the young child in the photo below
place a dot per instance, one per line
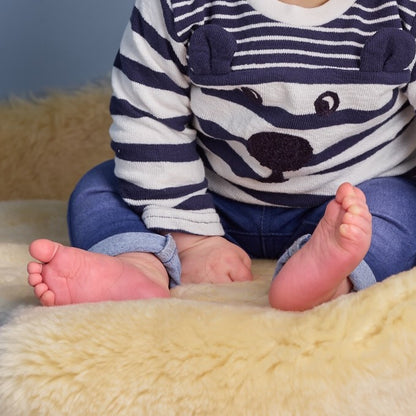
(246, 129)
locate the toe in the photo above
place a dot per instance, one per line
(343, 191)
(34, 279)
(354, 204)
(348, 192)
(48, 298)
(361, 222)
(360, 194)
(34, 268)
(40, 289)
(43, 250)
(357, 209)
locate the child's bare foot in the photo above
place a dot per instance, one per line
(69, 275)
(319, 271)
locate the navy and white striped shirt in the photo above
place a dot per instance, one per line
(259, 101)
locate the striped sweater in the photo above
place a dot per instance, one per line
(261, 102)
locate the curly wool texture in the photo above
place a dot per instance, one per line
(48, 143)
(209, 350)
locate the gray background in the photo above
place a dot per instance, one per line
(49, 44)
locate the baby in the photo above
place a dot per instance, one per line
(248, 129)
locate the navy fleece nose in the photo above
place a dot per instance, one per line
(279, 152)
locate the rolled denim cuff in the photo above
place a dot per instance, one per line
(163, 247)
(361, 277)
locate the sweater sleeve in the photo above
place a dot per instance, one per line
(161, 176)
(408, 16)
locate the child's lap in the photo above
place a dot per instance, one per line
(266, 232)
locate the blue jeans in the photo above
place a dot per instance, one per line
(100, 221)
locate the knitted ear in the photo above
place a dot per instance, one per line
(211, 50)
(388, 50)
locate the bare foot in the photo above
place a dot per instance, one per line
(319, 271)
(69, 275)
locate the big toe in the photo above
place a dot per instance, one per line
(344, 190)
(43, 250)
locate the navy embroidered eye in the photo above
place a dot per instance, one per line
(250, 93)
(326, 103)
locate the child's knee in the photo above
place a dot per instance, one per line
(393, 247)
(391, 202)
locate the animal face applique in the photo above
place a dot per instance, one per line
(279, 125)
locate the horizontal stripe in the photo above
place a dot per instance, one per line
(157, 42)
(277, 52)
(155, 152)
(197, 202)
(286, 199)
(353, 161)
(139, 73)
(124, 108)
(374, 9)
(152, 131)
(297, 73)
(298, 61)
(142, 195)
(283, 119)
(348, 142)
(211, 5)
(369, 21)
(295, 39)
(273, 27)
(160, 175)
(205, 222)
(271, 65)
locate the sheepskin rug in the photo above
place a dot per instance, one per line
(209, 350)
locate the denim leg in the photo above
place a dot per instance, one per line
(392, 203)
(262, 231)
(100, 221)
